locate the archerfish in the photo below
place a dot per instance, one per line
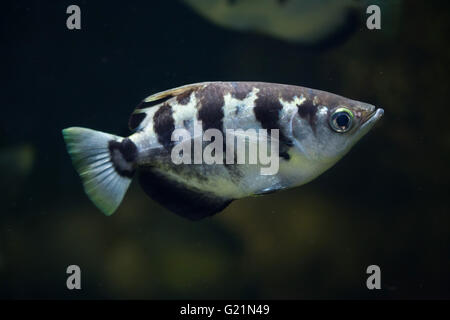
(312, 130)
(308, 22)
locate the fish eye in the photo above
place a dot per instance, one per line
(341, 120)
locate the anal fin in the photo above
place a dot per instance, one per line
(176, 197)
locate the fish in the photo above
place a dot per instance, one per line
(310, 129)
(306, 22)
(16, 164)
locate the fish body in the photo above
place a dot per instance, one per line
(303, 21)
(309, 22)
(307, 132)
(16, 164)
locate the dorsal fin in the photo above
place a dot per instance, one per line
(138, 117)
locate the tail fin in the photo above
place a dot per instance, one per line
(105, 164)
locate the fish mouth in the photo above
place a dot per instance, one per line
(369, 121)
(372, 117)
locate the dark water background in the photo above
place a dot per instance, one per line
(385, 203)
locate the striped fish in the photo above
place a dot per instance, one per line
(315, 129)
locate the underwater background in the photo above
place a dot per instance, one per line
(385, 203)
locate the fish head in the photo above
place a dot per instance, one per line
(326, 128)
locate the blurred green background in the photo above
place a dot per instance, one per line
(385, 203)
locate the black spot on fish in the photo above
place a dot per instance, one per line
(211, 110)
(187, 124)
(136, 119)
(149, 104)
(129, 150)
(123, 155)
(267, 112)
(288, 93)
(283, 91)
(164, 125)
(238, 109)
(241, 90)
(285, 155)
(187, 202)
(185, 97)
(308, 111)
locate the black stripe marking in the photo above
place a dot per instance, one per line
(149, 104)
(164, 125)
(211, 107)
(211, 110)
(129, 150)
(136, 119)
(184, 97)
(267, 112)
(123, 155)
(241, 90)
(308, 111)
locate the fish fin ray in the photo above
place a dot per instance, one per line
(139, 119)
(91, 156)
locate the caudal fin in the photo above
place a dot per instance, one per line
(105, 163)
